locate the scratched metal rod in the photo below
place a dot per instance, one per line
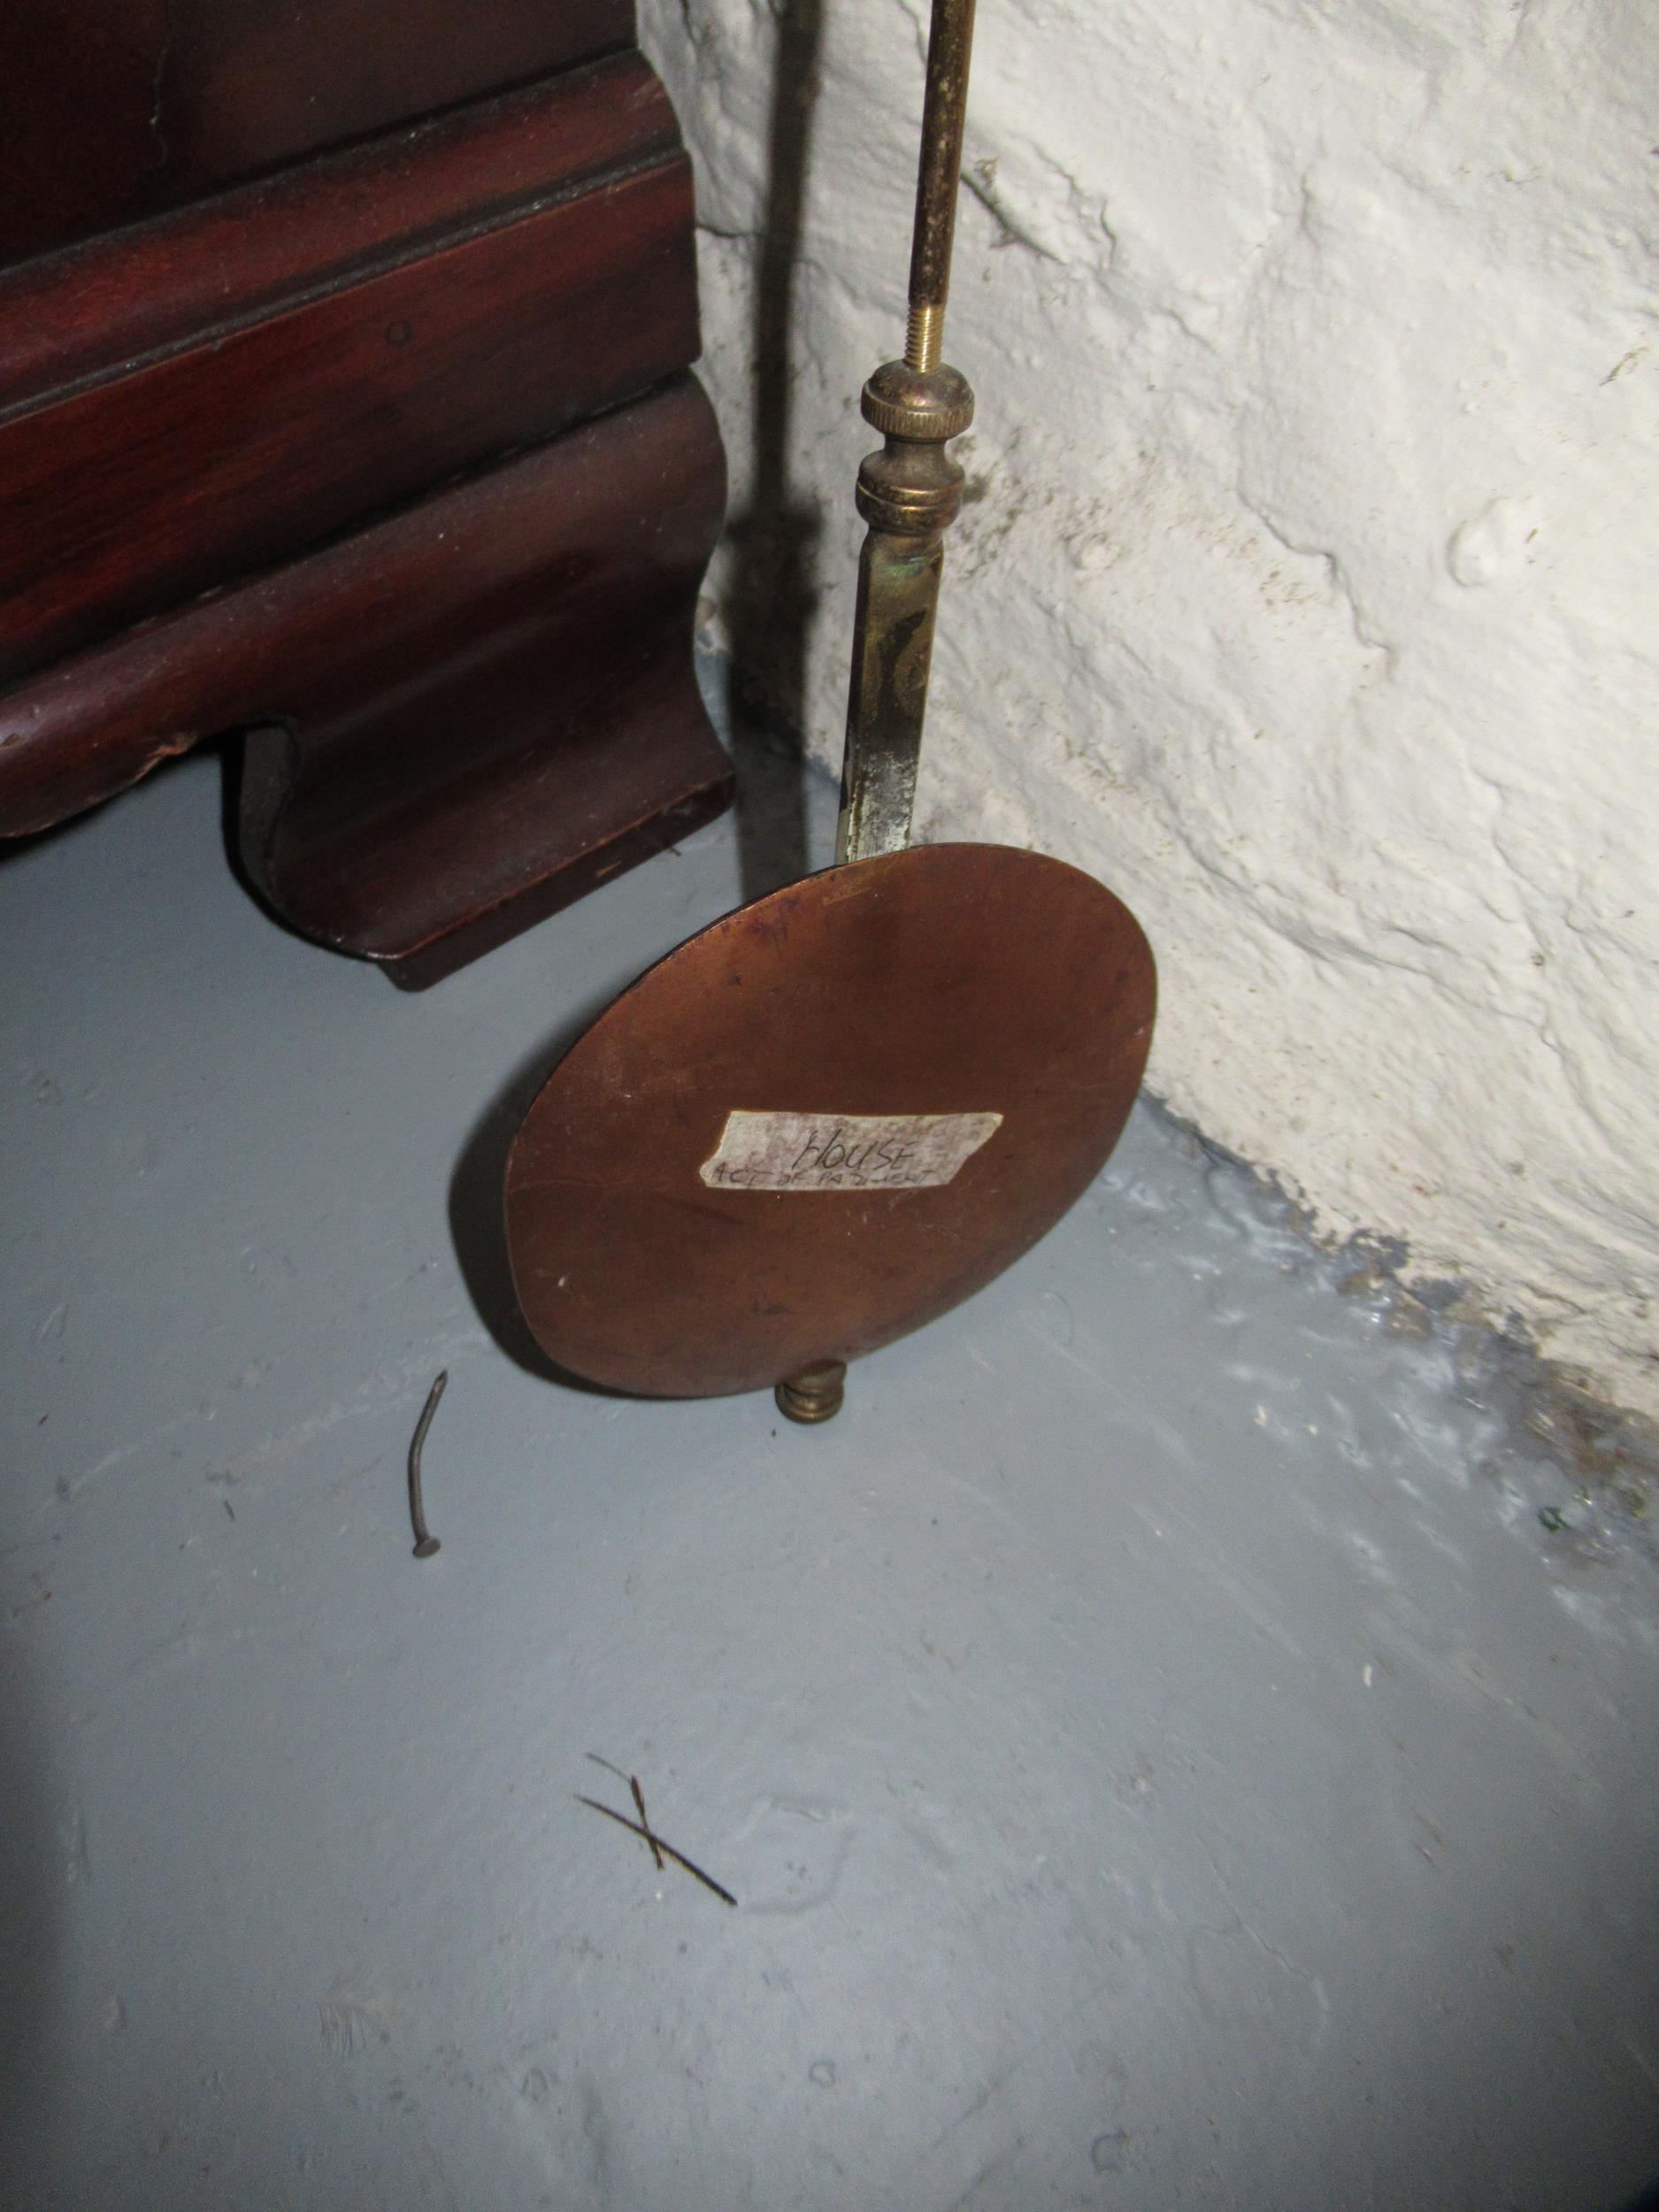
(938, 173)
(911, 492)
(426, 1542)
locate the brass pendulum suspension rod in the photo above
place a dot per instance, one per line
(949, 49)
(911, 492)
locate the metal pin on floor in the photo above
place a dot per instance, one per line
(426, 1542)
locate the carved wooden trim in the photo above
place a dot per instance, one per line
(115, 110)
(185, 402)
(391, 461)
(463, 717)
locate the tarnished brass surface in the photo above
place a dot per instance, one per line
(929, 404)
(815, 1394)
(949, 49)
(912, 491)
(950, 978)
(925, 335)
(909, 494)
(893, 644)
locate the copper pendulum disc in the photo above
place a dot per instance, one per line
(966, 982)
(847, 1107)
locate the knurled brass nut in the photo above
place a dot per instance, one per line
(926, 405)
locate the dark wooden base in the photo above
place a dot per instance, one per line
(385, 455)
(433, 704)
(199, 397)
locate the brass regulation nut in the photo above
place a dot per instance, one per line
(910, 489)
(816, 1393)
(927, 405)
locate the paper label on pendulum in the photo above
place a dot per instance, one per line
(801, 1152)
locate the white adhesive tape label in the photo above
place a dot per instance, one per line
(844, 1151)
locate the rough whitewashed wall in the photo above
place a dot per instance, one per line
(1309, 594)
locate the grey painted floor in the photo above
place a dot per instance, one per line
(1160, 1756)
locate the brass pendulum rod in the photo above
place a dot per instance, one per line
(911, 492)
(949, 49)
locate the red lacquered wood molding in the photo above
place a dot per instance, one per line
(465, 716)
(541, 542)
(116, 109)
(382, 319)
(117, 301)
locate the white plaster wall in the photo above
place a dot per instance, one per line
(1308, 593)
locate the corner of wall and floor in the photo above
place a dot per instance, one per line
(1304, 588)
